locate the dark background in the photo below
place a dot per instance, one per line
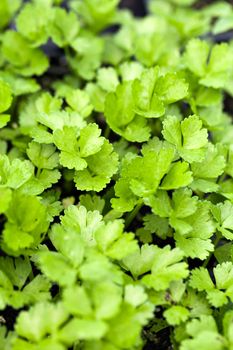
(139, 6)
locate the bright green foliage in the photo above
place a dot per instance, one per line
(5, 96)
(14, 173)
(211, 67)
(14, 274)
(41, 320)
(217, 293)
(33, 20)
(23, 231)
(203, 334)
(189, 218)
(116, 175)
(176, 314)
(96, 14)
(42, 156)
(85, 63)
(64, 27)
(166, 268)
(22, 58)
(79, 100)
(143, 174)
(145, 97)
(101, 167)
(206, 172)
(188, 137)
(5, 102)
(7, 10)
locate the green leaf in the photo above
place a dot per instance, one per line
(76, 301)
(83, 329)
(223, 214)
(167, 267)
(90, 141)
(107, 299)
(76, 233)
(176, 314)
(216, 294)
(111, 240)
(147, 102)
(204, 172)
(218, 66)
(101, 167)
(135, 295)
(96, 14)
(188, 136)
(80, 101)
(5, 96)
(204, 335)
(66, 141)
(25, 60)
(64, 27)
(32, 22)
(195, 241)
(119, 106)
(40, 320)
(89, 52)
(5, 199)
(196, 56)
(178, 176)
(22, 230)
(141, 261)
(107, 79)
(171, 88)
(57, 268)
(42, 156)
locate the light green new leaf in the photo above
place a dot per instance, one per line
(113, 242)
(76, 301)
(196, 56)
(40, 320)
(5, 96)
(64, 27)
(171, 88)
(22, 230)
(101, 167)
(32, 22)
(90, 141)
(141, 261)
(176, 314)
(25, 60)
(188, 136)
(217, 293)
(57, 268)
(167, 267)
(107, 79)
(80, 101)
(207, 171)
(119, 106)
(82, 329)
(66, 141)
(43, 156)
(223, 214)
(178, 176)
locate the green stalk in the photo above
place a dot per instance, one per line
(217, 239)
(107, 132)
(131, 216)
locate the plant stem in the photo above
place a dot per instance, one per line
(217, 239)
(38, 172)
(131, 216)
(107, 132)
